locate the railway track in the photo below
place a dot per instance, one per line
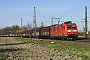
(82, 42)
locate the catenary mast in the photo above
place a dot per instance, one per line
(86, 22)
(34, 22)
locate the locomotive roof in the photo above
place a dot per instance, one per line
(67, 22)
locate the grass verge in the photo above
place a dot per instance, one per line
(84, 53)
(3, 57)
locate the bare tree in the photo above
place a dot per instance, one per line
(29, 26)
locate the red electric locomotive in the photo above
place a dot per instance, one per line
(64, 31)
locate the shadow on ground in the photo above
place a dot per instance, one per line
(10, 48)
(12, 44)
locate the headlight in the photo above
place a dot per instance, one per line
(69, 30)
(74, 30)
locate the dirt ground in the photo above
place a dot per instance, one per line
(17, 50)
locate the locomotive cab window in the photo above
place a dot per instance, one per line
(68, 26)
(71, 26)
(74, 26)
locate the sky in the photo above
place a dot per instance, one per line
(11, 12)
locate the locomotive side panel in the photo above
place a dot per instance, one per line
(52, 31)
(61, 31)
(56, 31)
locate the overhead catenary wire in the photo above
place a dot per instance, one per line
(77, 16)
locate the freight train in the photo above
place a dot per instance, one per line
(62, 31)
